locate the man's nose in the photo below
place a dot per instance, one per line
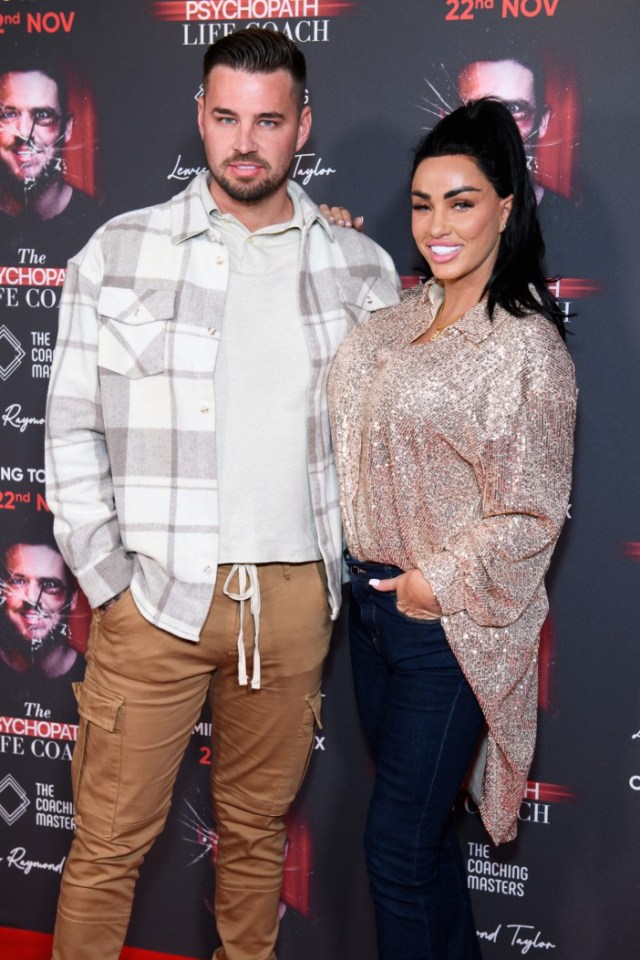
(31, 591)
(23, 125)
(245, 139)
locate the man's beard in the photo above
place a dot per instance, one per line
(30, 188)
(251, 192)
(35, 650)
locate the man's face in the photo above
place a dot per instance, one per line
(36, 592)
(512, 83)
(251, 127)
(32, 128)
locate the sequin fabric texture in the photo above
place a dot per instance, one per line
(455, 457)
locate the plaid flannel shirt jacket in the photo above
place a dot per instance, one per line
(130, 426)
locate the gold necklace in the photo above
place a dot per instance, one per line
(437, 332)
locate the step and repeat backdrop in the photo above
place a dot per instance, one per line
(101, 119)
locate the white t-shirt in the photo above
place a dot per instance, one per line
(261, 381)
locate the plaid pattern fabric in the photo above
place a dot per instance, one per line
(130, 430)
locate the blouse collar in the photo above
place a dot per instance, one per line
(476, 324)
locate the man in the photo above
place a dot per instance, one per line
(38, 595)
(36, 202)
(519, 82)
(191, 476)
(516, 84)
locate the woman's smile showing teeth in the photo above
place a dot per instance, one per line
(442, 252)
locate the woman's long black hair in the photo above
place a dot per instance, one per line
(485, 131)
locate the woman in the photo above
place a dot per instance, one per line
(452, 418)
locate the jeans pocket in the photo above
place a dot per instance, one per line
(425, 621)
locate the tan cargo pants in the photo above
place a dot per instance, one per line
(141, 697)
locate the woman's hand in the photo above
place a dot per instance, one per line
(414, 595)
(341, 216)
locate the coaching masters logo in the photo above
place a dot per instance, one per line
(13, 800)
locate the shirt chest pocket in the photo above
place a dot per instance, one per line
(132, 340)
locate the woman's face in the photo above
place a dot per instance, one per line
(457, 220)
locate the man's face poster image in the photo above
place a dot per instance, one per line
(34, 128)
(514, 84)
(38, 595)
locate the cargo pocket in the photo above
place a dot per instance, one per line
(304, 746)
(95, 769)
(314, 700)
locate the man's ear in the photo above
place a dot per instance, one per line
(200, 102)
(545, 116)
(68, 129)
(73, 601)
(304, 127)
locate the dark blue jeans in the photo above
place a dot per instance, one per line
(423, 723)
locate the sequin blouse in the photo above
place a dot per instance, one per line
(454, 457)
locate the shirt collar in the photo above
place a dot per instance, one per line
(189, 215)
(194, 210)
(476, 324)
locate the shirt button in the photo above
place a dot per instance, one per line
(251, 240)
(204, 409)
(211, 331)
(219, 261)
(207, 569)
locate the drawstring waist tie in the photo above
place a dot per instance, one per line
(248, 589)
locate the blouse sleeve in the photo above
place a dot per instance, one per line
(494, 568)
